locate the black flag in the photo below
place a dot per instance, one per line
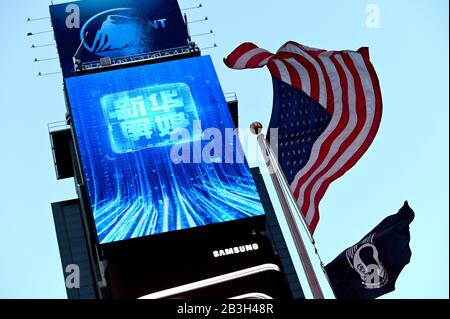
(370, 268)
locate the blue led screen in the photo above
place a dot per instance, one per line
(125, 122)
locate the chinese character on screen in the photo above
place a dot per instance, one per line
(147, 117)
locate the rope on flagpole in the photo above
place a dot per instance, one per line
(285, 185)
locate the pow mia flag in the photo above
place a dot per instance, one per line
(370, 268)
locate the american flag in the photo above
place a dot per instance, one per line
(327, 109)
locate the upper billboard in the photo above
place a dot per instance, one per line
(91, 29)
(158, 150)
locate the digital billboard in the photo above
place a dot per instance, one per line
(91, 29)
(158, 150)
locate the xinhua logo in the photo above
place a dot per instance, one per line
(147, 117)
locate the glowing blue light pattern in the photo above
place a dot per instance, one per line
(123, 121)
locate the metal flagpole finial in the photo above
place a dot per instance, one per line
(256, 128)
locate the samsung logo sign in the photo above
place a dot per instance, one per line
(235, 250)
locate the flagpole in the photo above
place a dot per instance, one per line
(313, 282)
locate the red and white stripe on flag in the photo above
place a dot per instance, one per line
(343, 82)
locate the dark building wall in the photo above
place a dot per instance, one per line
(61, 148)
(73, 247)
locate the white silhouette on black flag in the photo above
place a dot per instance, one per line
(370, 268)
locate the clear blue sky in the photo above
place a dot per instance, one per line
(408, 160)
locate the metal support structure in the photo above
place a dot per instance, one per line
(150, 56)
(313, 282)
(191, 8)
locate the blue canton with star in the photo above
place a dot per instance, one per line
(300, 122)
